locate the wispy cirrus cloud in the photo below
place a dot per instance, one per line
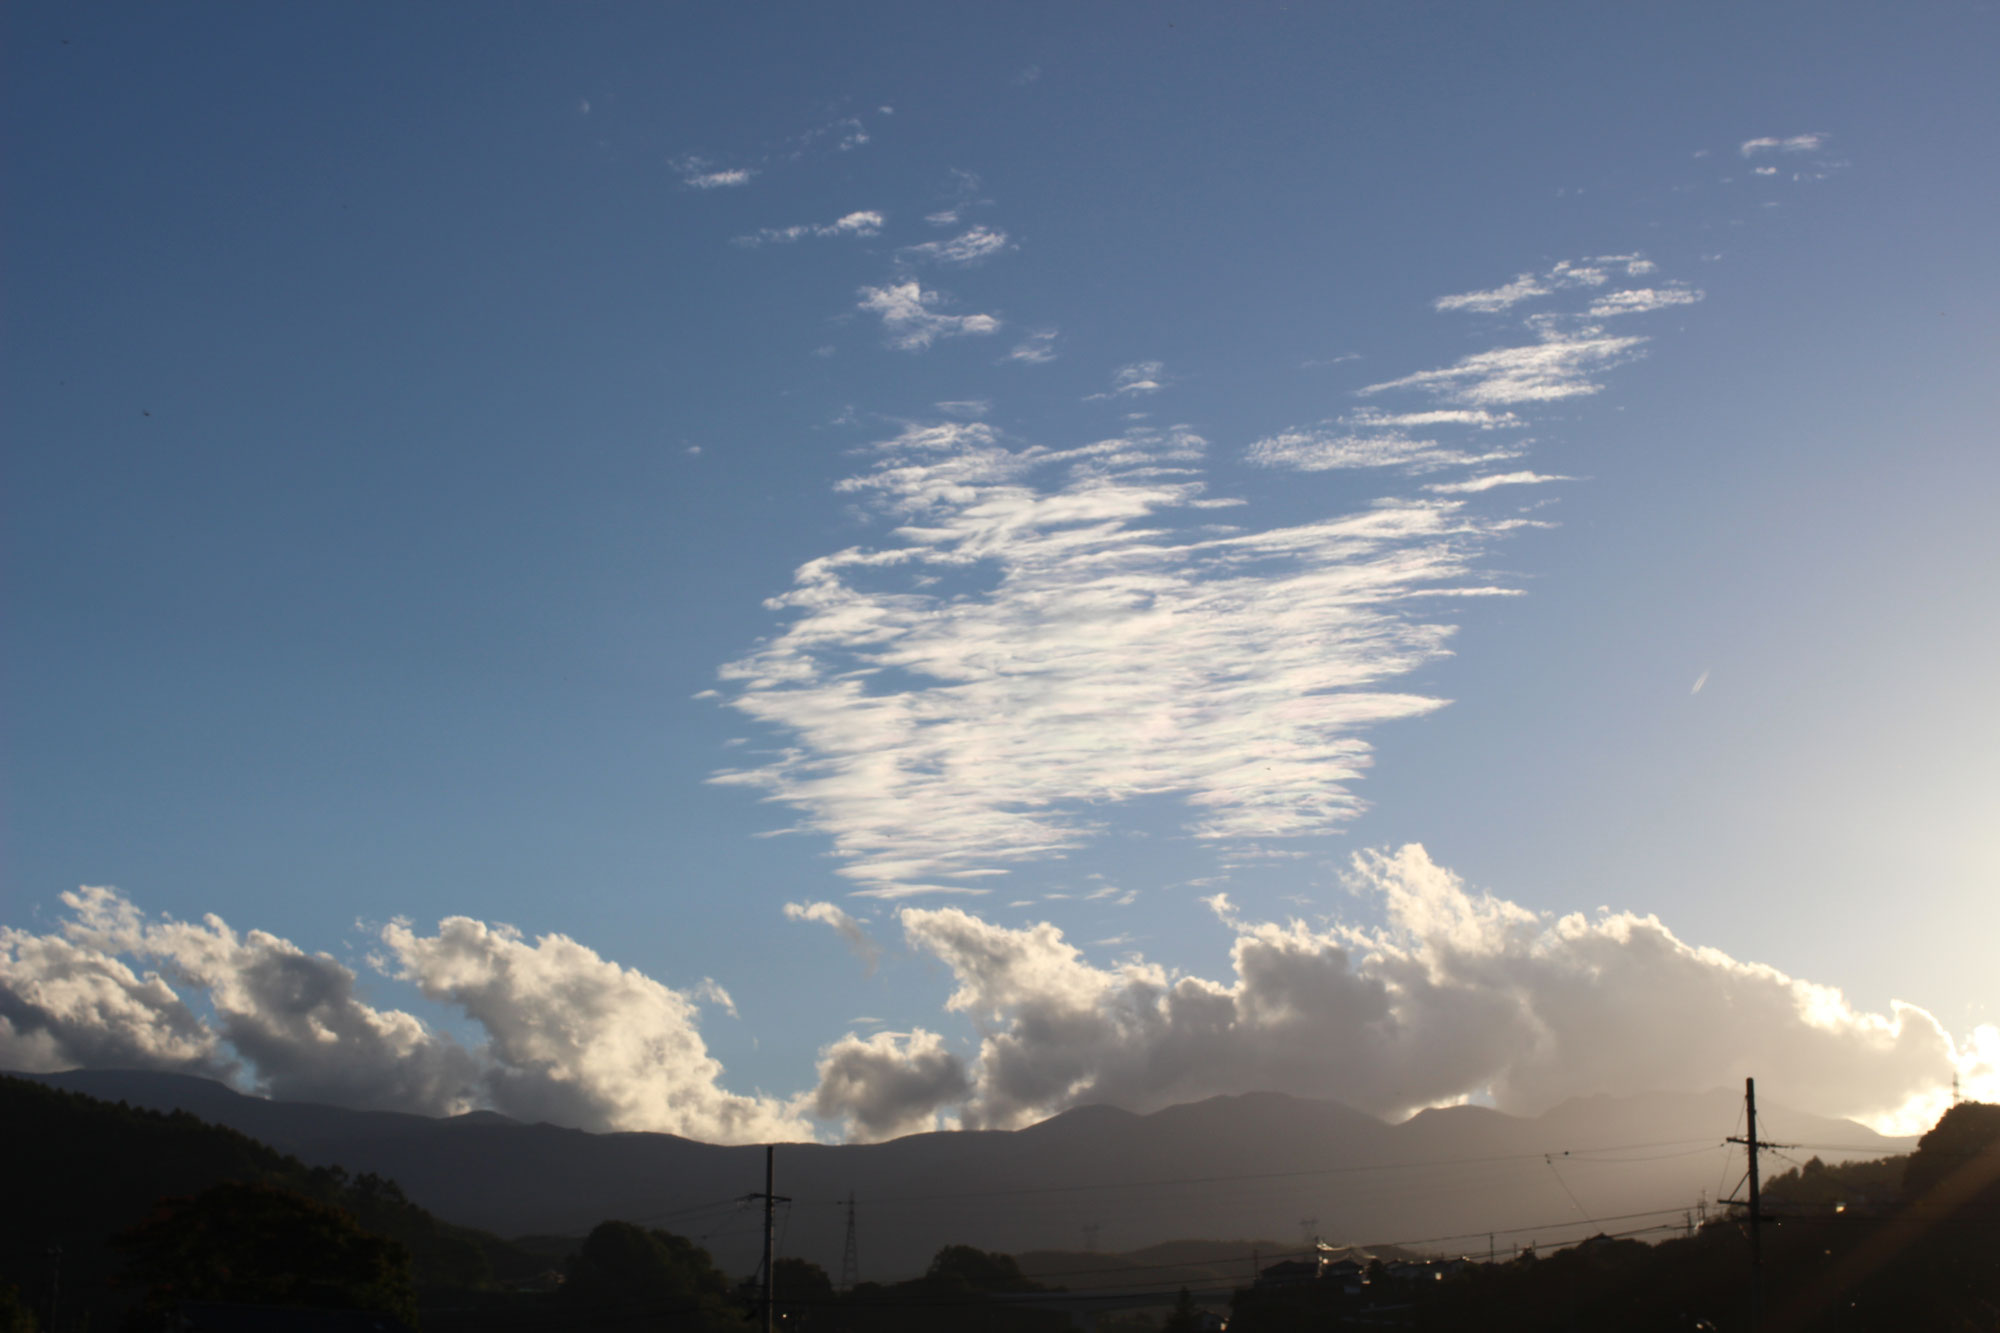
(1642, 300)
(717, 180)
(1046, 633)
(842, 134)
(1568, 274)
(1372, 438)
(1524, 288)
(863, 222)
(1493, 481)
(1478, 418)
(849, 930)
(1560, 365)
(1339, 448)
(701, 174)
(1797, 157)
(966, 248)
(1568, 354)
(1136, 380)
(912, 317)
(846, 133)
(1035, 349)
(965, 193)
(1797, 143)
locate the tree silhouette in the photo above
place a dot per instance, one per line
(258, 1245)
(1185, 1316)
(626, 1275)
(962, 1268)
(1961, 1151)
(15, 1317)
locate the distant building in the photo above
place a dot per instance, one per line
(1289, 1273)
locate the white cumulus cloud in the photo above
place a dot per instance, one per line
(571, 1037)
(1458, 993)
(889, 1083)
(575, 1038)
(291, 1019)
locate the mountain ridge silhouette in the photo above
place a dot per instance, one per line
(1249, 1164)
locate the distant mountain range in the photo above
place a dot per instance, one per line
(1260, 1164)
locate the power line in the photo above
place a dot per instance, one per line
(1550, 1159)
(1225, 1260)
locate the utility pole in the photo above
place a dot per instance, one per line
(1752, 1143)
(771, 1202)
(850, 1255)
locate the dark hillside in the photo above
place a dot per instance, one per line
(1250, 1165)
(81, 1171)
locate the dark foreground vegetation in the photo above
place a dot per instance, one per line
(113, 1214)
(124, 1219)
(1903, 1244)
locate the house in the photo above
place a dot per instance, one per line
(1288, 1273)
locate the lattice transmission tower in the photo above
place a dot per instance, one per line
(850, 1255)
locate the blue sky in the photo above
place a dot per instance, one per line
(1011, 474)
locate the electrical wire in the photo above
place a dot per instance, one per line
(1550, 1159)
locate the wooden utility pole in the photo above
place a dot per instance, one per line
(771, 1202)
(1752, 1143)
(1756, 1205)
(771, 1218)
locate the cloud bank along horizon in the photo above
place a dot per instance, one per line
(1458, 995)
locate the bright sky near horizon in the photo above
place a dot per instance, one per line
(839, 569)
